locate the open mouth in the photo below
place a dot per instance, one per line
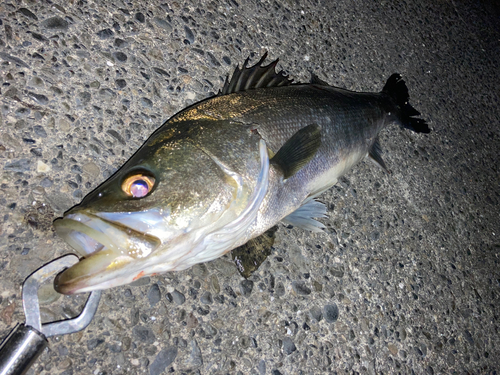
(107, 247)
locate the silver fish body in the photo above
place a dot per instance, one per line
(223, 172)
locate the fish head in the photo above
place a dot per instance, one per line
(148, 216)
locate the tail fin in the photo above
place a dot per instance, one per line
(397, 90)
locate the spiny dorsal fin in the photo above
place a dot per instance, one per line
(254, 77)
(315, 80)
(375, 156)
(298, 150)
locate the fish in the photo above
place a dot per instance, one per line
(222, 173)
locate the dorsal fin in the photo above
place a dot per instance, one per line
(315, 80)
(254, 77)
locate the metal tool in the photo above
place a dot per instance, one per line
(27, 341)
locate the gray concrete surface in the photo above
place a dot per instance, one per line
(404, 280)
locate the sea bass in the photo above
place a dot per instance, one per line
(221, 174)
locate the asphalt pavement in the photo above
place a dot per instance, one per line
(405, 278)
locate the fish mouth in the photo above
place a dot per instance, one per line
(111, 251)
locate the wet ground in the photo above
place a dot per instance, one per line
(405, 279)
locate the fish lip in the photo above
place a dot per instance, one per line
(103, 256)
(73, 225)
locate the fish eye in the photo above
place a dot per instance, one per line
(138, 185)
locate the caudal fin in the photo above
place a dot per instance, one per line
(397, 90)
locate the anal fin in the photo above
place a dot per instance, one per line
(303, 216)
(375, 156)
(250, 256)
(298, 150)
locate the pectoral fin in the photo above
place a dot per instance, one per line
(303, 216)
(298, 150)
(251, 255)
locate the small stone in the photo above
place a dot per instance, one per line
(154, 294)
(202, 311)
(262, 367)
(40, 131)
(163, 24)
(120, 83)
(55, 23)
(46, 182)
(83, 98)
(195, 359)
(191, 320)
(120, 56)
(105, 33)
(28, 13)
(351, 335)
(21, 165)
(120, 43)
(318, 287)
(164, 358)
(41, 167)
(7, 312)
(337, 272)
(13, 59)
(116, 136)
(392, 348)
(210, 331)
(229, 291)
(144, 334)
(134, 316)
(200, 270)
(280, 289)
(300, 288)
(107, 94)
(146, 102)
(213, 59)
(94, 343)
(214, 284)
(189, 34)
(161, 72)
(331, 313)
(316, 313)
(246, 287)
(206, 298)
(64, 364)
(11, 92)
(91, 169)
(126, 342)
(140, 17)
(288, 346)
(37, 151)
(114, 348)
(39, 98)
(178, 297)
(374, 236)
